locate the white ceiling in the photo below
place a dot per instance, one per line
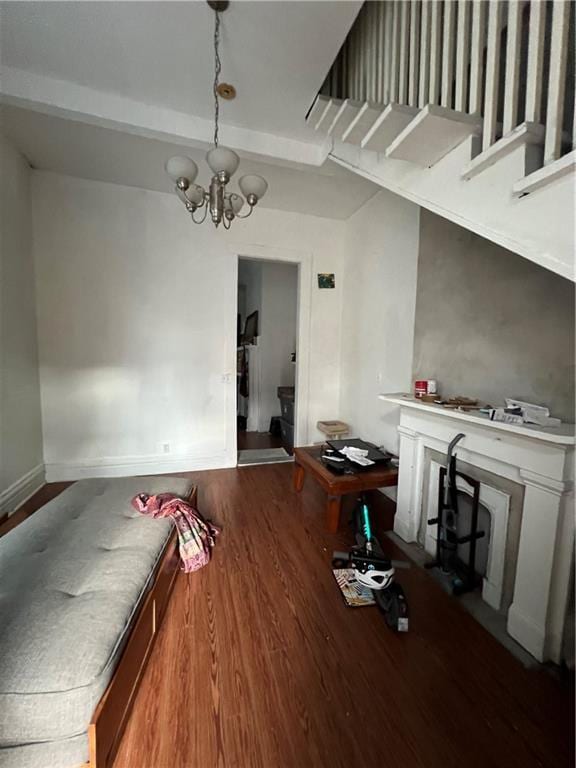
(160, 53)
(110, 90)
(94, 152)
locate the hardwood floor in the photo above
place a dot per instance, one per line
(41, 497)
(260, 665)
(249, 440)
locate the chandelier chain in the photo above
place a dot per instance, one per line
(217, 68)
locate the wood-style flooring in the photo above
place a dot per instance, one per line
(259, 664)
(253, 440)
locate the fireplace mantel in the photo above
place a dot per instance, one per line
(542, 461)
(564, 434)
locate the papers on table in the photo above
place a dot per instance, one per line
(357, 455)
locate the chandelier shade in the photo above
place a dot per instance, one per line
(222, 205)
(251, 184)
(181, 167)
(222, 160)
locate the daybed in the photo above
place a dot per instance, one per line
(84, 583)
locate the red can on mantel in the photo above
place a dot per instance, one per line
(424, 387)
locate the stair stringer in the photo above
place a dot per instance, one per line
(539, 226)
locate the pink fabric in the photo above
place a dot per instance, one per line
(196, 536)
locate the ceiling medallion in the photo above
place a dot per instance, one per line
(226, 91)
(223, 206)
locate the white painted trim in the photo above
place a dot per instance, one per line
(304, 260)
(562, 435)
(131, 466)
(477, 55)
(526, 133)
(526, 631)
(495, 9)
(462, 54)
(62, 98)
(512, 73)
(556, 80)
(20, 491)
(546, 175)
(535, 60)
(537, 256)
(254, 388)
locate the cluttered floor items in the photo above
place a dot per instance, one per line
(366, 576)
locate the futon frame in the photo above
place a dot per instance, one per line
(111, 714)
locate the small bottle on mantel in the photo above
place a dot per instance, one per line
(425, 387)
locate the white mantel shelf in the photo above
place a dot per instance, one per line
(564, 434)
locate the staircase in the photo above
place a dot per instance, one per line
(466, 108)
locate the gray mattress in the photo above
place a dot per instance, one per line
(71, 579)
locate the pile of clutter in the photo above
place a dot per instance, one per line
(514, 412)
(517, 412)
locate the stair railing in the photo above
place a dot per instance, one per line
(508, 63)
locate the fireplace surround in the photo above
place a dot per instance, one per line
(541, 462)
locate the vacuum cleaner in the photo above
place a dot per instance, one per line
(449, 535)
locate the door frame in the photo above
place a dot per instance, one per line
(303, 260)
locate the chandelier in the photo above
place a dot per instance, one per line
(224, 206)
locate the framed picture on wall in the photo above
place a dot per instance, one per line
(251, 328)
(326, 280)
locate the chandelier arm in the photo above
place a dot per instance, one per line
(200, 221)
(245, 216)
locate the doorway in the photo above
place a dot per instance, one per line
(266, 375)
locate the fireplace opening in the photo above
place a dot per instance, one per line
(499, 518)
(458, 529)
(463, 527)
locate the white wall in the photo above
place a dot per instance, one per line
(381, 260)
(21, 470)
(277, 335)
(137, 325)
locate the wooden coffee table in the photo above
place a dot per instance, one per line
(336, 486)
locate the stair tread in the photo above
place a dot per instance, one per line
(432, 134)
(363, 121)
(392, 121)
(328, 114)
(347, 112)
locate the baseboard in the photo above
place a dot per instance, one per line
(132, 466)
(526, 632)
(20, 491)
